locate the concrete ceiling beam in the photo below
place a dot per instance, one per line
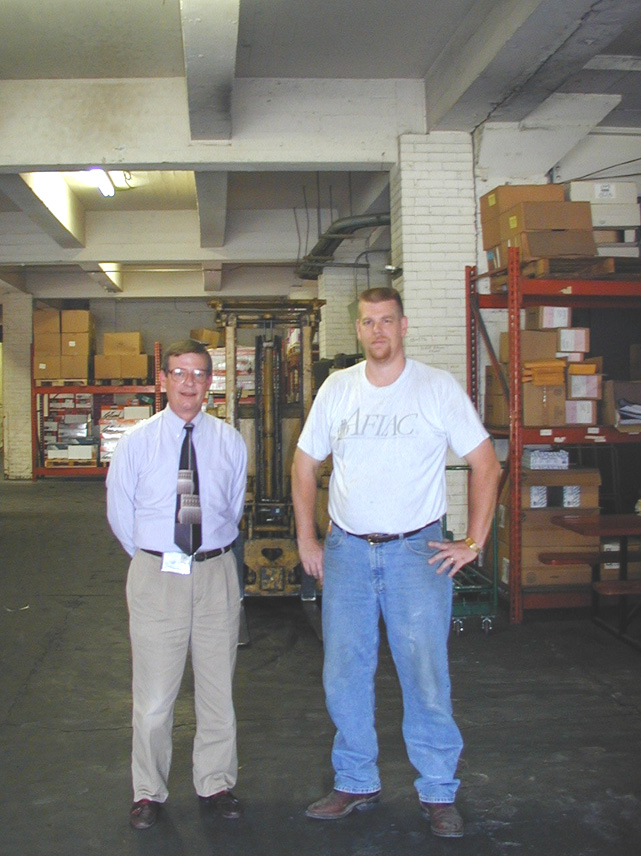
(210, 35)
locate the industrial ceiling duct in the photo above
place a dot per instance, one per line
(312, 264)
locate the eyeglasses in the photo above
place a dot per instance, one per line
(181, 375)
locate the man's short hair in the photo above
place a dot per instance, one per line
(185, 346)
(380, 295)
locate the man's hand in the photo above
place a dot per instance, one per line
(451, 556)
(311, 556)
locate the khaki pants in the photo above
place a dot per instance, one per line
(168, 614)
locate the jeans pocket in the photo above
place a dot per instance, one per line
(334, 537)
(418, 544)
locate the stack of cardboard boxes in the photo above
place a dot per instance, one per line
(616, 215)
(245, 371)
(63, 343)
(544, 494)
(123, 357)
(538, 220)
(561, 386)
(116, 419)
(67, 430)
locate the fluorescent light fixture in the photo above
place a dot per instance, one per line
(102, 181)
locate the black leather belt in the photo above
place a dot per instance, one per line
(197, 557)
(381, 538)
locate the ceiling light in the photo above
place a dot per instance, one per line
(102, 181)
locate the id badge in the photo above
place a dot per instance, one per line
(176, 563)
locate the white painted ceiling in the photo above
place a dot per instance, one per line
(572, 46)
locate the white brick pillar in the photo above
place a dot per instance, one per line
(17, 322)
(337, 334)
(433, 238)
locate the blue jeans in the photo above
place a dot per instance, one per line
(363, 581)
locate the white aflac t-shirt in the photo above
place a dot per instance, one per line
(389, 445)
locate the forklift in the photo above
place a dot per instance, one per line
(270, 422)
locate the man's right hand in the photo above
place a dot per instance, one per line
(311, 556)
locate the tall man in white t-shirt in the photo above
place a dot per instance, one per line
(388, 423)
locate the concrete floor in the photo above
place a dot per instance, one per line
(550, 711)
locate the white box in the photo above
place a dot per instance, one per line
(620, 250)
(81, 452)
(142, 411)
(622, 215)
(602, 192)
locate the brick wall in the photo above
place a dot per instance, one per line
(336, 334)
(17, 316)
(433, 238)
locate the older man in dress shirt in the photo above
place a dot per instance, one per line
(179, 601)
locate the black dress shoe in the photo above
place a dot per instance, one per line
(225, 804)
(143, 814)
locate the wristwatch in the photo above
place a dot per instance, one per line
(471, 543)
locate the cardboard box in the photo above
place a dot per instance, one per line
(570, 356)
(122, 343)
(550, 244)
(46, 343)
(585, 386)
(493, 385)
(623, 215)
(543, 216)
(535, 458)
(556, 575)
(46, 321)
(497, 414)
(547, 317)
(573, 339)
(83, 452)
(537, 528)
(135, 366)
(581, 412)
(601, 192)
(505, 196)
(571, 488)
(543, 406)
(46, 366)
(614, 393)
(535, 345)
(76, 321)
(74, 367)
(72, 344)
(106, 366)
(207, 337)
(136, 411)
(628, 251)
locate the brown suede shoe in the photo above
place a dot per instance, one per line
(445, 820)
(339, 804)
(225, 804)
(143, 814)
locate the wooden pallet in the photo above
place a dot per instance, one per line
(584, 267)
(123, 381)
(579, 267)
(68, 462)
(61, 381)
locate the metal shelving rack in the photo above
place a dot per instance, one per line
(39, 391)
(522, 292)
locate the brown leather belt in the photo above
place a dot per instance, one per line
(197, 557)
(381, 538)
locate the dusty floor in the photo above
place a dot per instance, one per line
(550, 711)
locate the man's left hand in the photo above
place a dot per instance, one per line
(451, 556)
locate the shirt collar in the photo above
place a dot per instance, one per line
(177, 424)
